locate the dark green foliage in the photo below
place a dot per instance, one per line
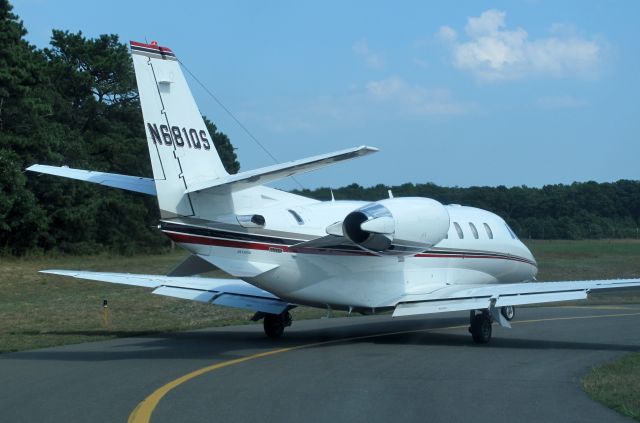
(576, 211)
(74, 103)
(224, 147)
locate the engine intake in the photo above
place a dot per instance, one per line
(398, 226)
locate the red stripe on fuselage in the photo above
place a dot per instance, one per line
(203, 240)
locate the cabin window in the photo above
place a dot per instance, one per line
(474, 231)
(489, 231)
(458, 230)
(513, 235)
(296, 216)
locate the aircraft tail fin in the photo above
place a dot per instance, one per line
(180, 146)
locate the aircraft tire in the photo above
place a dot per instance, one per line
(274, 324)
(481, 328)
(508, 312)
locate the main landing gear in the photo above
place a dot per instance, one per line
(480, 326)
(480, 322)
(274, 324)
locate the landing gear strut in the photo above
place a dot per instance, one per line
(480, 326)
(274, 324)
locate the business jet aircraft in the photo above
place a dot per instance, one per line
(411, 255)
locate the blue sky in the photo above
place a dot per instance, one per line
(456, 93)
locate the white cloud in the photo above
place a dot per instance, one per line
(493, 52)
(446, 33)
(414, 99)
(560, 102)
(371, 59)
(389, 98)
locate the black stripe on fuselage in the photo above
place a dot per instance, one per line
(217, 233)
(289, 242)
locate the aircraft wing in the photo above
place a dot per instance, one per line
(226, 292)
(476, 297)
(129, 183)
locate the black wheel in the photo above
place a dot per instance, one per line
(481, 328)
(274, 324)
(508, 312)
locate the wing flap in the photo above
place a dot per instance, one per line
(185, 293)
(474, 297)
(514, 300)
(264, 305)
(440, 306)
(228, 292)
(126, 182)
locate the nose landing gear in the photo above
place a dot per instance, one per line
(509, 312)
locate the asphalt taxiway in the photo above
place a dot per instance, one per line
(342, 369)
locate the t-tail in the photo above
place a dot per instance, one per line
(189, 178)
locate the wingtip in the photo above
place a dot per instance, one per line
(57, 272)
(369, 148)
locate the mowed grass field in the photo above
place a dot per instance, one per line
(38, 310)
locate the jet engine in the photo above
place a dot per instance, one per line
(397, 226)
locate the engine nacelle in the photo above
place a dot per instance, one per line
(398, 226)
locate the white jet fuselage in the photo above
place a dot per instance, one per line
(351, 278)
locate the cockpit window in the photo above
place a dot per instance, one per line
(513, 235)
(459, 230)
(489, 231)
(474, 231)
(296, 216)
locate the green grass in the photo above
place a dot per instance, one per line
(38, 310)
(617, 385)
(592, 259)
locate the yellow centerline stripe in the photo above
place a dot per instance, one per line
(142, 413)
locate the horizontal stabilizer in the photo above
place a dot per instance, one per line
(267, 174)
(129, 183)
(227, 292)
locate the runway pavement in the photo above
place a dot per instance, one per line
(344, 369)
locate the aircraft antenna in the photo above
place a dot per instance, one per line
(237, 121)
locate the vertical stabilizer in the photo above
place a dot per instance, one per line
(181, 149)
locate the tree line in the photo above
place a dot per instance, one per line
(75, 103)
(581, 210)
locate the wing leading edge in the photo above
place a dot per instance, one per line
(227, 292)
